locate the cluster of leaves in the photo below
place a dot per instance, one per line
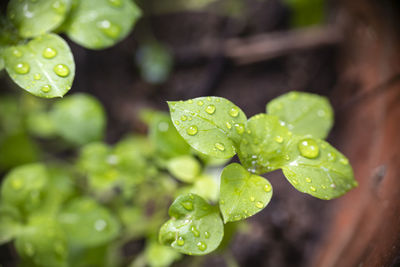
(81, 211)
(289, 136)
(39, 60)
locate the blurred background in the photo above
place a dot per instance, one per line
(251, 51)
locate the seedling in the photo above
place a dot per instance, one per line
(288, 137)
(37, 58)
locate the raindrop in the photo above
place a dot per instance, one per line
(344, 161)
(202, 246)
(195, 232)
(109, 29)
(210, 109)
(295, 182)
(252, 199)
(228, 125)
(188, 205)
(234, 112)
(308, 180)
(267, 188)
(17, 53)
(61, 70)
(220, 146)
(183, 118)
(192, 130)
(312, 188)
(49, 53)
(37, 76)
(200, 103)
(308, 148)
(331, 156)
(45, 88)
(180, 241)
(177, 122)
(59, 7)
(222, 202)
(239, 128)
(22, 68)
(207, 234)
(259, 205)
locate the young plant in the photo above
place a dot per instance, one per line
(37, 58)
(288, 137)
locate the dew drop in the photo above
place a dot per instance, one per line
(234, 112)
(188, 205)
(220, 146)
(308, 148)
(22, 68)
(252, 199)
(192, 130)
(208, 98)
(331, 156)
(308, 180)
(100, 225)
(180, 241)
(295, 182)
(194, 230)
(222, 202)
(183, 118)
(190, 101)
(228, 125)
(200, 103)
(109, 29)
(344, 161)
(210, 109)
(259, 205)
(207, 234)
(37, 76)
(239, 128)
(312, 188)
(116, 3)
(49, 53)
(287, 157)
(323, 186)
(61, 70)
(16, 53)
(267, 188)
(177, 122)
(45, 88)
(279, 139)
(201, 246)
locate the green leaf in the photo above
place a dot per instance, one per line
(88, 224)
(24, 186)
(206, 187)
(195, 227)
(2, 64)
(303, 113)
(98, 24)
(211, 125)
(33, 18)
(10, 226)
(184, 168)
(316, 168)
(167, 141)
(44, 66)
(79, 119)
(43, 242)
(160, 256)
(263, 144)
(155, 62)
(242, 194)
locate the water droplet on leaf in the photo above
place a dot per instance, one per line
(194, 230)
(183, 118)
(200, 103)
(210, 109)
(22, 68)
(180, 241)
(46, 88)
(109, 29)
(61, 70)
(279, 139)
(259, 205)
(100, 225)
(234, 112)
(49, 53)
(192, 130)
(188, 205)
(308, 148)
(202, 246)
(228, 125)
(308, 180)
(116, 3)
(267, 188)
(220, 146)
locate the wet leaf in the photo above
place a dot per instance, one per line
(303, 113)
(44, 66)
(195, 227)
(211, 125)
(33, 18)
(263, 145)
(317, 168)
(98, 24)
(242, 194)
(79, 119)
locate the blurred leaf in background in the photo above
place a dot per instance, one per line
(306, 12)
